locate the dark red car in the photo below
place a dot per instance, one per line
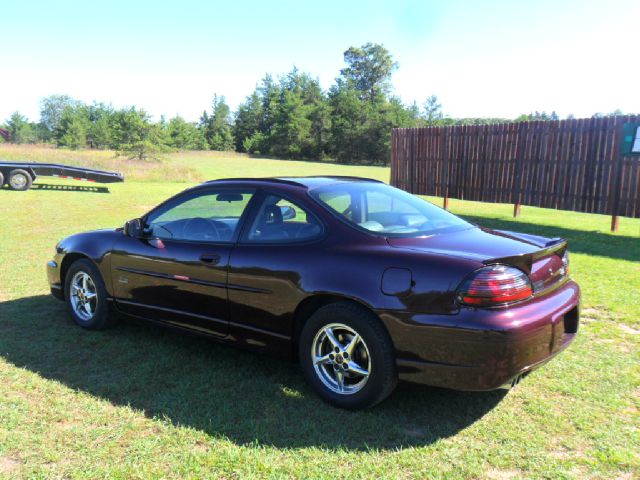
(365, 284)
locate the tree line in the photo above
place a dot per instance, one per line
(288, 116)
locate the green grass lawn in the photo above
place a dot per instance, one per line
(138, 402)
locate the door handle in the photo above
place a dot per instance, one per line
(210, 258)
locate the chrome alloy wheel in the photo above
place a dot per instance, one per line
(18, 181)
(341, 359)
(84, 297)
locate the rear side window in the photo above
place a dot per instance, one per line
(279, 220)
(382, 209)
(339, 200)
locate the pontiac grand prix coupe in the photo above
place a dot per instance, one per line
(365, 284)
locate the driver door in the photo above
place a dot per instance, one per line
(176, 272)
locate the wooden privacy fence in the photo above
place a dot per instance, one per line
(574, 165)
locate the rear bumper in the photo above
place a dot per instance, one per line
(486, 349)
(473, 378)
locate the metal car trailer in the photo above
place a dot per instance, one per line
(20, 175)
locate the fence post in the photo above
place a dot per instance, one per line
(516, 188)
(394, 168)
(412, 164)
(615, 224)
(617, 177)
(446, 163)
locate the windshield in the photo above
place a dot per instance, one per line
(386, 210)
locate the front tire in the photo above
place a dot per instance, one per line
(347, 356)
(86, 296)
(20, 180)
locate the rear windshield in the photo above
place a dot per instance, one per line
(386, 210)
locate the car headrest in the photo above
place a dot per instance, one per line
(413, 220)
(272, 215)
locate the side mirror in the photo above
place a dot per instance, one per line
(133, 228)
(288, 212)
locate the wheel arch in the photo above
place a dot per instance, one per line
(68, 260)
(312, 304)
(31, 172)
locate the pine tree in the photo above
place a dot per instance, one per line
(20, 130)
(217, 128)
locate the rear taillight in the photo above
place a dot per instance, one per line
(495, 285)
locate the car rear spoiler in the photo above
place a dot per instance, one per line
(525, 261)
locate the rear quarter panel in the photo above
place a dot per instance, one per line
(285, 276)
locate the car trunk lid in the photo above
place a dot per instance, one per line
(540, 257)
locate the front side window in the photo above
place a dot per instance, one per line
(382, 209)
(201, 216)
(280, 221)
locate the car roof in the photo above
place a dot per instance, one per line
(307, 182)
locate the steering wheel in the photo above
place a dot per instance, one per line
(224, 231)
(200, 229)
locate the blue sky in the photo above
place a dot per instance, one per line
(482, 58)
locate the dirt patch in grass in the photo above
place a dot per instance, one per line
(498, 474)
(558, 449)
(589, 314)
(629, 330)
(202, 446)
(66, 425)
(594, 315)
(626, 476)
(9, 465)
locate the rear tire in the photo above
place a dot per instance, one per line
(344, 372)
(86, 296)
(20, 180)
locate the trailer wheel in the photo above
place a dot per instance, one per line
(1, 179)
(20, 180)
